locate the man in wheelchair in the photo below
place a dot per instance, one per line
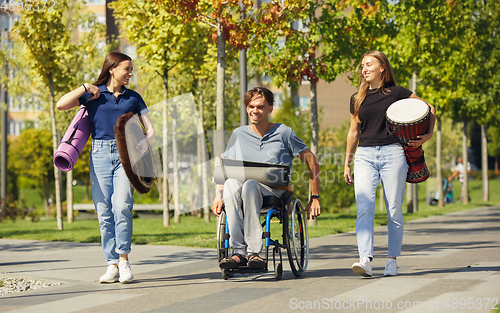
(265, 142)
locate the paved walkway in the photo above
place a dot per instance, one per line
(451, 263)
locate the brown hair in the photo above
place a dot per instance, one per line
(112, 60)
(387, 80)
(266, 93)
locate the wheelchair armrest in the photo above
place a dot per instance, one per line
(289, 187)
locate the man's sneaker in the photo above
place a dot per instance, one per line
(391, 268)
(363, 267)
(125, 272)
(111, 275)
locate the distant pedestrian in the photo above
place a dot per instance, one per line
(460, 170)
(379, 156)
(106, 100)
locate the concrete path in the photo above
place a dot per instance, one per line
(450, 263)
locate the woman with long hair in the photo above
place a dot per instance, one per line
(106, 100)
(378, 156)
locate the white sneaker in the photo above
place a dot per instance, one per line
(111, 275)
(363, 267)
(391, 268)
(125, 272)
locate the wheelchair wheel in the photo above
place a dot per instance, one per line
(225, 275)
(278, 271)
(222, 252)
(296, 237)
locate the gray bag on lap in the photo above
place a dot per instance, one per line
(273, 175)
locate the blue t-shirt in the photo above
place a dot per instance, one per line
(105, 110)
(280, 145)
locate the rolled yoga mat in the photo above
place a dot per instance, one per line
(273, 175)
(73, 142)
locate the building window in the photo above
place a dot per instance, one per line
(96, 2)
(98, 18)
(15, 127)
(279, 98)
(304, 103)
(130, 51)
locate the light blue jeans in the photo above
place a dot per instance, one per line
(112, 195)
(371, 164)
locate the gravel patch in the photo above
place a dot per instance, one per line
(15, 284)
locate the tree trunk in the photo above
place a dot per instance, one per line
(57, 181)
(439, 173)
(221, 73)
(203, 161)
(69, 195)
(3, 116)
(465, 158)
(414, 187)
(176, 189)
(87, 184)
(314, 118)
(484, 164)
(243, 75)
(166, 214)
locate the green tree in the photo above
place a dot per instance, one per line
(30, 157)
(165, 41)
(425, 37)
(50, 48)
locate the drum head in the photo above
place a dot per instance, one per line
(407, 111)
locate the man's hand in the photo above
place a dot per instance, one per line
(313, 209)
(217, 204)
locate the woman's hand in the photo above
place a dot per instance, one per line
(93, 90)
(347, 174)
(420, 141)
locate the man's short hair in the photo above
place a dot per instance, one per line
(266, 93)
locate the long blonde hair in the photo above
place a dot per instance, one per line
(387, 80)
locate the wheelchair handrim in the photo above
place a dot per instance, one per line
(306, 237)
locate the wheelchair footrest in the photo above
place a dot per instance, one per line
(246, 270)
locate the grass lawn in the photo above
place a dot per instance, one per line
(194, 232)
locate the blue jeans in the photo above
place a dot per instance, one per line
(370, 165)
(112, 195)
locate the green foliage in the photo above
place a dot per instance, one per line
(30, 156)
(451, 137)
(13, 209)
(493, 140)
(334, 33)
(453, 45)
(336, 193)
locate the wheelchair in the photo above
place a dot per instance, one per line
(291, 215)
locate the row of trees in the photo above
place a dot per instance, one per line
(450, 48)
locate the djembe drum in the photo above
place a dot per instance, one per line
(138, 167)
(407, 119)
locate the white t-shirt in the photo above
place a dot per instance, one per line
(460, 169)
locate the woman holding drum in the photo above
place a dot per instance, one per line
(379, 156)
(106, 100)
